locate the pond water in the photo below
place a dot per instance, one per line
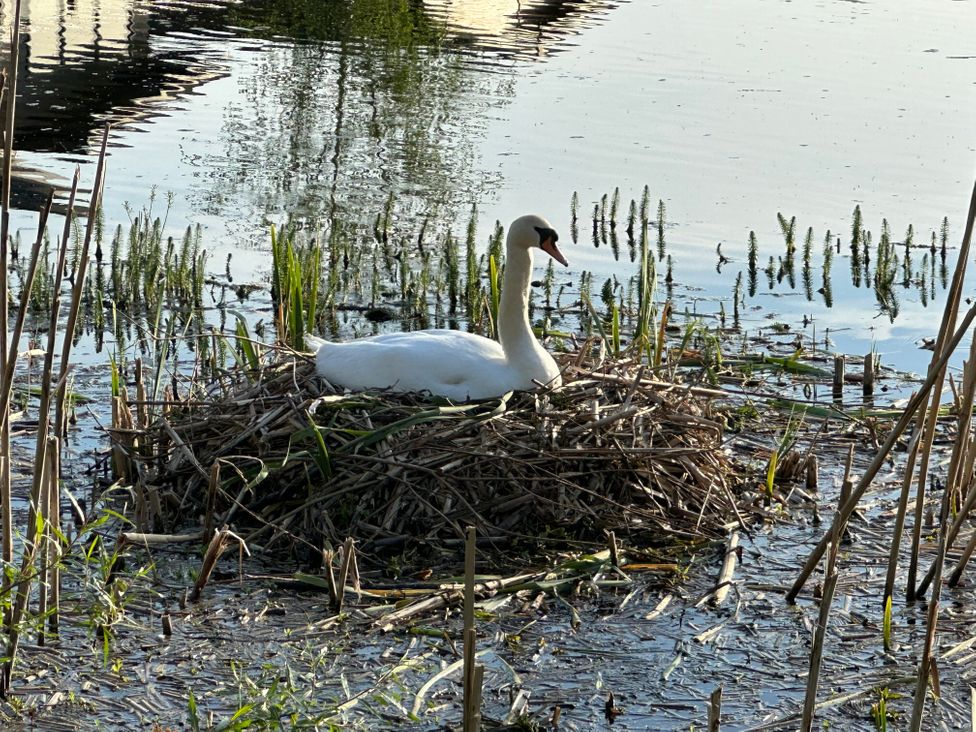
(252, 112)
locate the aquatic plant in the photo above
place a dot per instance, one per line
(753, 263)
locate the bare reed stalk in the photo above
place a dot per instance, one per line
(53, 560)
(44, 506)
(27, 561)
(953, 300)
(932, 619)
(60, 420)
(10, 94)
(473, 673)
(899, 527)
(845, 511)
(728, 569)
(43, 482)
(816, 651)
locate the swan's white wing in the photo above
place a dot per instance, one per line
(450, 363)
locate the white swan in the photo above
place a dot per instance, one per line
(452, 363)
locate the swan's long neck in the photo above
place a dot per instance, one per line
(514, 331)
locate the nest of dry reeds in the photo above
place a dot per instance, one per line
(284, 459)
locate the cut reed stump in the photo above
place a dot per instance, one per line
(609, 451)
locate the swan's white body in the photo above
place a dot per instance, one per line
(452, 363)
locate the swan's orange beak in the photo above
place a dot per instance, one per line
(548, 245)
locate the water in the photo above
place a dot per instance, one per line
(252, 113)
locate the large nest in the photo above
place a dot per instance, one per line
(284, 459)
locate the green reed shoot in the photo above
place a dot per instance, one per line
(753, 263)
(807, 268)
(944, 239)
(923, 286)
(472, 286)
(789, 234)
(857, 233)
(245, 343)
(615, 329)
(886, 625)
(574, 218)
(295, 276)
(866, 240)
(614, 207)
(631, 222)
(452, 266)
(494, 293)
(645, 206)
(496, 245)
(661, 245)
(643, 330)
(736, 299)
(906, 264)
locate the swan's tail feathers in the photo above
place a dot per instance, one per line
(313, 343)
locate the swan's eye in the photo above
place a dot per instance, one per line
(547, 234)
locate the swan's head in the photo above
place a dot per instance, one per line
(534, 231)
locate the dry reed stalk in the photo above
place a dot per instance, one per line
(914, 403)
(899, 525)
(955, 477)
(927, 661)
(398, 467)
(715, 710)
(10, 94)
(953, 300)
(472, 672)
(77, 290)
(219, 543)
(812, 476)
(27, 562)
(147, 540)
(53, 559)
(44, 506)
(449, 596)
(728, 569)
(838, 530)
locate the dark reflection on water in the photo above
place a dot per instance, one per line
(340, 107)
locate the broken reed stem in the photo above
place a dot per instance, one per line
(348, 557)
(728, 569)
(715, 710)
(473, 673)
(953, 300)
(848, 507)
(867, 386)
(221, 540)
(838, 385)
(812, 482)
